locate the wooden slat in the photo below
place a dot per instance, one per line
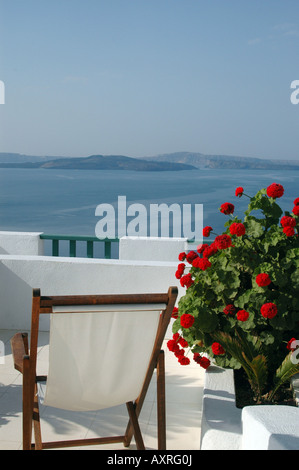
(80, 442)
(48, 302)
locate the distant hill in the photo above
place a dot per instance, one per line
(166, 162)
(97, 162)
(225, 162)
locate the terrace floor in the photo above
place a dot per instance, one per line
(184, 388)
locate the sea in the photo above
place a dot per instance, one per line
(64, 202)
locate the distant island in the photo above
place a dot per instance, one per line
(178, 161)
(226, 162)
(94, 162)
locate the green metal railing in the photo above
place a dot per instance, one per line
(73, 239)
(90, 241)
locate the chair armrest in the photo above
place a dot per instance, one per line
(19, 346)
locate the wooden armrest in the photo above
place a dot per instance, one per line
(19, 346)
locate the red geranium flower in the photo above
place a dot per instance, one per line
(201, 360)
(175, 313)
(191, 256)
(205, 362)
(296, 202)
(296, 210)
(206, 231)
(217, 349)
(288, 221)
(275, 190)
(182, 256)
(242, 315)
(227, 208)
(180, 270)
(269, 310)
(172, 345)
(237, 229)
(229, 309)
(289, 231)
(186, 281)
(184, 361)
(202, 247)
(210, 250)
(263, 280)
(223, 241)
(201, 263)
(239, 191)
(186, 320)
(179, 353)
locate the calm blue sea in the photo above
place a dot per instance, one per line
(64, 201)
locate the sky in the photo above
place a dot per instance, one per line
(148, 77)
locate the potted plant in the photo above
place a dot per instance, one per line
(241, 306)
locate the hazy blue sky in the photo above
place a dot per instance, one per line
(143, 77)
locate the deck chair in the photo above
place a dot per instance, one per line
(103, 350)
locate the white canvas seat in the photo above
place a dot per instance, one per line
(102, 353)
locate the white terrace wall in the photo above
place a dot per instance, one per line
(20, 273)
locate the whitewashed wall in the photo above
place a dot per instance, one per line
(20, 273)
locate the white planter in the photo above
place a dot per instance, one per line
(225, 427)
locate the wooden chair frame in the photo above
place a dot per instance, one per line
(25, 360)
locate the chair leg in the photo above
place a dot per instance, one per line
(36, 423)
(135, 425)
(161, 410)
(27, 405)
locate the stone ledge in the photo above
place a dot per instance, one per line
(221, 427)
(226, 427)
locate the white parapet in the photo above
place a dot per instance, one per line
(21, 243)
(270, 427)
(69, 276)
(151, 248)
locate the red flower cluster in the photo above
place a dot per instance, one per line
(229, 309)
(263, 280)
(217, 349)
(180, 340)
(186, 320)
(242, 315)
(288, 223)
(296, 207)
(180, 270)
(239, 191)
(204, 362)
(201, 248)
(175, 313)
(201, 263)
(191, 256)
(223, 241)
(237, 229)
(275, 190)
(210, 250)
(174, 346)
(182, 256)
(296, 210)
(269, 310)
(186, 281)
(227, 208)
(206, 231)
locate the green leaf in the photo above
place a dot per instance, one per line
(254, 227)
(284, 373)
